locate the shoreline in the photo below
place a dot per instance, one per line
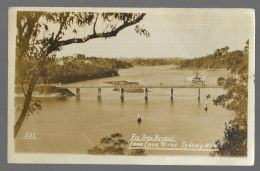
(44, 91)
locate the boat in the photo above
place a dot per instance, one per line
(197, 79)
(139, 119)
(205, 107)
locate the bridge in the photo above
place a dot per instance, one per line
(139, 86)
(123, 87)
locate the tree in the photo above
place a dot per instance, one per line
(114, 145)
(246, 48)
(234, 142)
(221, 51)
(41, 34)
(220, 81)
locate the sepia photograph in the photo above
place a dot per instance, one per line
(131, 86)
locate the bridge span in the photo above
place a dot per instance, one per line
(134, 87)
(123, 87)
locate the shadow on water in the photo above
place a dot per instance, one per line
(206, 111)
(99, 101)
(146, 100)
(77, 98)
(62, 98)
(122, 101)
(139, 124)
(146, 104)
(198, 102)
(172, 105)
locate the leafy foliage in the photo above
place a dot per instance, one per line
(234, 142)
(142, 31)
(154, 61)
(35, 105)
(221, 81)
(235, 61)
(114, 145)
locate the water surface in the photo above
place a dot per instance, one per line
(74, 126)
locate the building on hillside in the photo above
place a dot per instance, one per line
(79, 56)
(60, 61)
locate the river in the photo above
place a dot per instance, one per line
(74, 126)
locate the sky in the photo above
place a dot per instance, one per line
(183, 33)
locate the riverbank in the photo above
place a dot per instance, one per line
(45, 91)
(69, 70)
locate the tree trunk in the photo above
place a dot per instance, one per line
(26, 105)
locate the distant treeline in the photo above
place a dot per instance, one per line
(222, 58)
(68, 70)
(153, 61)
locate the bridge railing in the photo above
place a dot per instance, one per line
(131, 86)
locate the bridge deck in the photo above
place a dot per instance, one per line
(134, 87)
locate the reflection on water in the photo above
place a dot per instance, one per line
(74, 125)
(122, 100)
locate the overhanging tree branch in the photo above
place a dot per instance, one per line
(99, 35)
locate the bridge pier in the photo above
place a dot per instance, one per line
(145, 88)
(171, 93)
(77, 92)
(146, 93)
(199, 94)
(122, 90)
(99, 93)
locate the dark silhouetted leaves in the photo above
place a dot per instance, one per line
(114, 145)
